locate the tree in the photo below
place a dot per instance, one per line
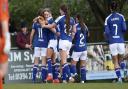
(101, 8)
(94, 12)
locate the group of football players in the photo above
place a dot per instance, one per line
(49, 36)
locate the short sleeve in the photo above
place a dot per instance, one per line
(34, 26)
(58, 20)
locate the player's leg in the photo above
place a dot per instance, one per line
(114, 52)
(43, 69)
(3, 64)
(117, 67)
(64, 47)
(50, 53)
(3, 61)
(55, 68)
(43, 66)
(75, 59)
(73, 67)
(121, 49)
(65, 67)
(122, 64)
(49, 62)
(35, 66)
(3, 68)
(1, 83)
(83, 66)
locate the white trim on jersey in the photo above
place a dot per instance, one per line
(107, 19)
(49, 18)
(58, 27)
(59, 18)
(121, 16)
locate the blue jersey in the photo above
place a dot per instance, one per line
(115, 27)
(80, 39)
(40, 36)
(51, 35)
(61, 23)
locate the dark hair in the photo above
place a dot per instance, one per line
(23, 24)
(80, 19)
(65, 9)
(46, 9)
(114, 6)
(40, 12)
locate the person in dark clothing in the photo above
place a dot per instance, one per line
(23, 37)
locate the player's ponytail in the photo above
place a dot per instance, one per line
(81, 22)
(65, 9)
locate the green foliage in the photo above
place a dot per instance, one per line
(27, 9)
(94, 12)
(24, 10)
(125, 11)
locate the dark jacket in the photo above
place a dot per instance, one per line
(22, 39)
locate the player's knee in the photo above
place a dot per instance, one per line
(73, 62)
(82, 63)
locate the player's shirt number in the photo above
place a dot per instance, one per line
(116, 27)
(81, 39)
(40, 31)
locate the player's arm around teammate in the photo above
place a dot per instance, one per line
(40, 43)
(67, 27)
(52, 49)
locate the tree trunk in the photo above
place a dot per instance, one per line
(101, 10)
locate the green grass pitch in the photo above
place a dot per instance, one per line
(68, 86)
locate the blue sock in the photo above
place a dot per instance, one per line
(43, 73)
(49, 65)
(55, 71)
(122, 65)
(64, 77)
(73, 69)
(83, 73)
(34, 72)
(67, 70)
(117, 70)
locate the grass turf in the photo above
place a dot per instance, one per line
(68, 86)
